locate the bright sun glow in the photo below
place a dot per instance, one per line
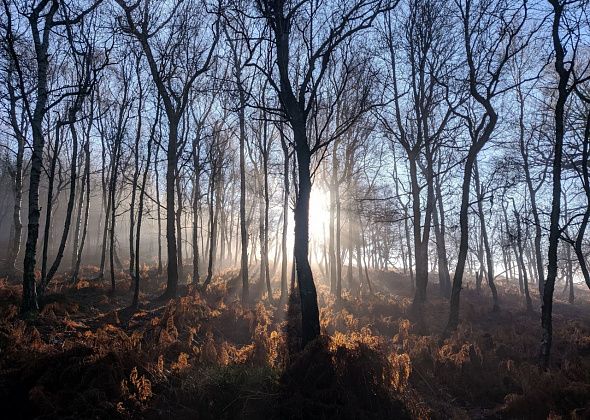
(319, 219)
(319, 214)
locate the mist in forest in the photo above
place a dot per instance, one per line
(294, 209)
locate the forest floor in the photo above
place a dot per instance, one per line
(204, 356)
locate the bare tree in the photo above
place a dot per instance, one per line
(175, 63)
(491, 35)
(298, 99)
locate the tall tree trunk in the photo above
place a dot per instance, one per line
(310, 319)
(420, 248)
(80, 249)
(554, 231)
(135, 302)
(569, 273)
(441, 247)
(178, 219)
(284, 262)
(409, 248)
(520, 258)
(349, 277)
(196, 205)
(214, 207)
(332, 272)
(17, 186)
(78, 222)
(134, 192)
(29, 298)
(71, 200)
(266, 193)
(158, 211)
(171, 249)
(261, 234)
(113, 207)
(49, 204)
(486, 241)
(338, 245)
(463, 247)
(578, 243)
(107, 217)
(532, 194)
(243, 220)
(364, 259)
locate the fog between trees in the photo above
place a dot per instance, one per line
(301, 142)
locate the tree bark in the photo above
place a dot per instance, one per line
(554, 231)
(463, 247)
(310, 318)
(284, 262)
(486, 241)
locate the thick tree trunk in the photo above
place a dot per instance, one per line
(171, 249)
(214, 207)
(463, 247)
(420, 248)
(409, 248)
(554, 230)
(310, 319)
(29, 300)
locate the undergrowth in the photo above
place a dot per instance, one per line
(206, 356)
